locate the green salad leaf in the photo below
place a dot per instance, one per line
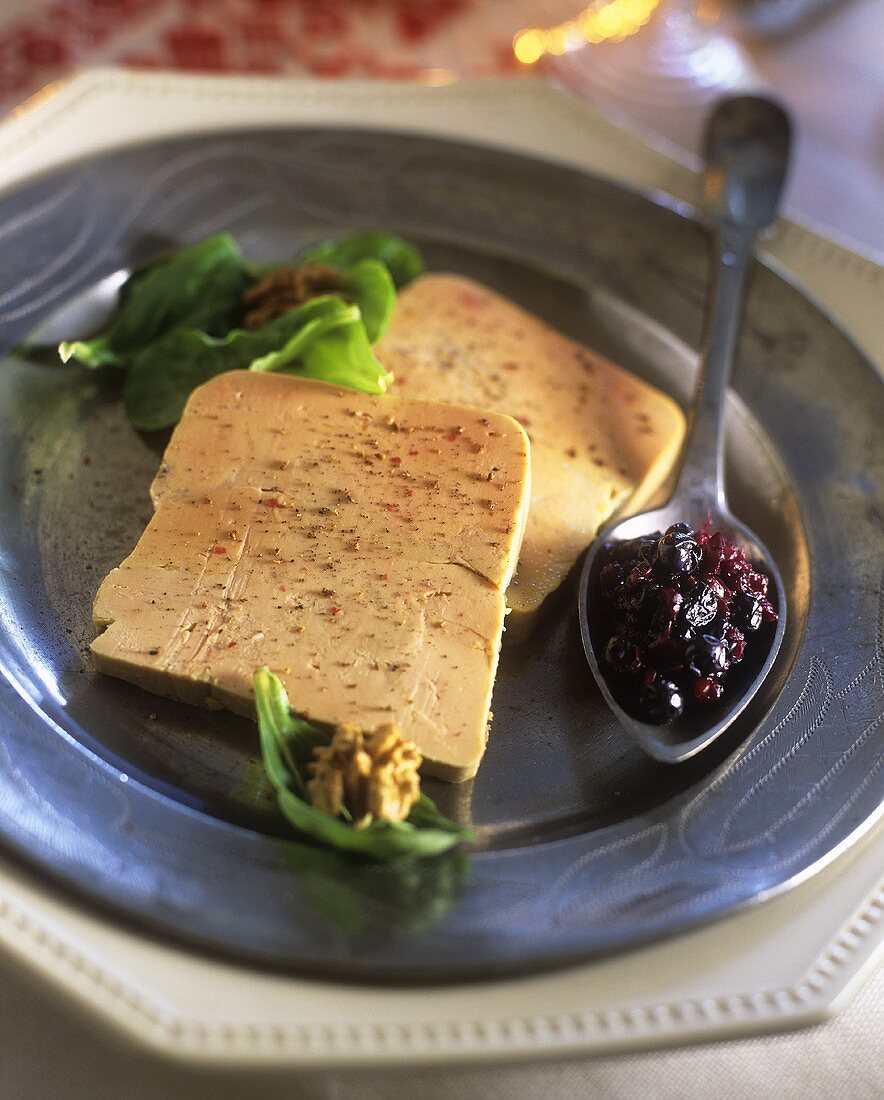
(372, 288)
(164, 374)
(287, 744)
(290, 739)
(175, 327)
(199, 287)
(362, 897)
(302, 337)
(401, 259)
(344, 357)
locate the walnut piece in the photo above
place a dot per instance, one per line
(373, 774)
(289, 287)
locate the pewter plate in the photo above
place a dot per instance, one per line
(583, 845)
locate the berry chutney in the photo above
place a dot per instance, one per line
(683, 607)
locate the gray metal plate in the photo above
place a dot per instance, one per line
(583, 844)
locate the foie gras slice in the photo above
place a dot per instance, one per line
(358, 546)
(602, 441)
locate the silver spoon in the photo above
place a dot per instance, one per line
(746, 153)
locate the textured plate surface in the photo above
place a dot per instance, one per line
(583, 844)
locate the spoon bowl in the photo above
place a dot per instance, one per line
(746, 149)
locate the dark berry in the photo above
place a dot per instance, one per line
(713, 552)
(611, 577)
(732, 553)
(736, 641)
(708, 655)
(681, 605)
(660, 702)
(734, 572)
(752, 582)
(722, 593)
(747, 612)
(665, 655)
(636, 590)
(629, 598)
(639, 574)
(677, 553)
(682, 632)
(700, 607)
(643, 548)
(622, 654)
(671, 601)
(707, 691)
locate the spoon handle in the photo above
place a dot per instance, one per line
(701, 477)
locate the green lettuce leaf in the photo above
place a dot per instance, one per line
(344, 357)
(290, 739)
(370, 286)
(287, 744)
(401, 259)
(164, 374)
(172, 332)
(199, 287)
(312, 330)
(372, 289)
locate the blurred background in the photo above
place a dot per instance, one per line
(653, 66)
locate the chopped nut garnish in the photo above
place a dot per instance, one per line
(373, 774)
(289, 287)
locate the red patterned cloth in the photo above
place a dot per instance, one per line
(386, 39)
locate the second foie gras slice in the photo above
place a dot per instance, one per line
(358, 546)
(601, 439)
